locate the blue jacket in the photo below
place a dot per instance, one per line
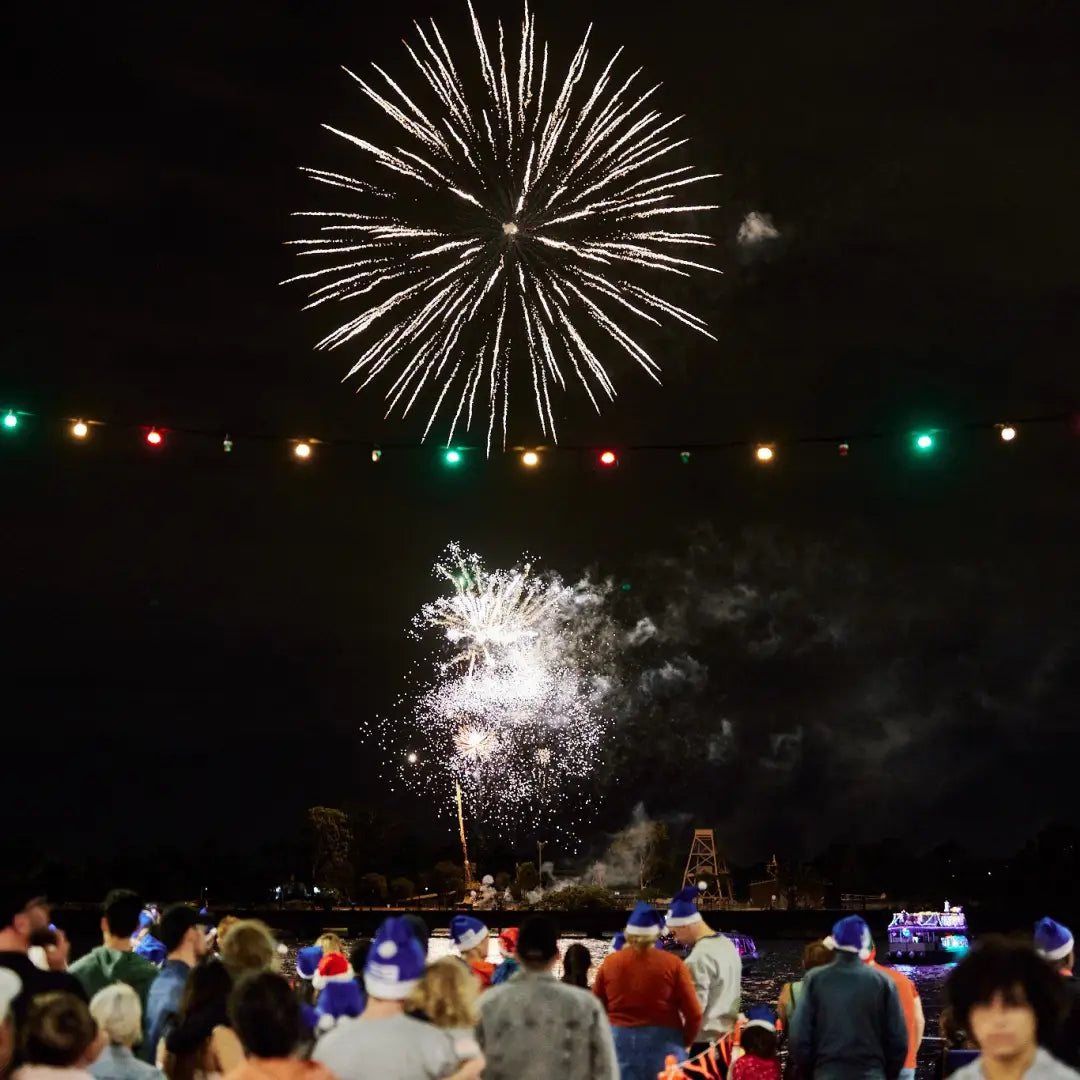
(849, 1024)
(163, 1003)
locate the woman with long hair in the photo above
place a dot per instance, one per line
(201, 1046)
(575, 966)
(649, 998)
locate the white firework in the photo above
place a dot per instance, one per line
(517, 226)
(489, 611)
(514, 716)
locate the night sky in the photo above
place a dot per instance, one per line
(191, 641)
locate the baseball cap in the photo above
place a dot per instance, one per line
(176, 922)
(10, 988)
(538, 940)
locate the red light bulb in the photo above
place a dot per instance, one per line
(608, 458)
(154, 437)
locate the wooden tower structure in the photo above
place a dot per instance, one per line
(703, 863)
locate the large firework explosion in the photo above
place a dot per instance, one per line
(512, 713)
(514, 220)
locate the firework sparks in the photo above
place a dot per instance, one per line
(513, 225)
(513, 714)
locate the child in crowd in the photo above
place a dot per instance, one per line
(59, 1039)
(576, 964)
(508, 941)
(330, 943)
(760, 1045)
(447, 996)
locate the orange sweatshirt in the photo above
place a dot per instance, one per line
(648, 989)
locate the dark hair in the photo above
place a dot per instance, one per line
(358, 955)
(175, 923)
(576, 964)
(266, 1015)
(122, 909)
(537, 941)
(759, 1042)
(208, 984)
(58, 1030)
(816, 954)
(1012, 969)
(421, 931)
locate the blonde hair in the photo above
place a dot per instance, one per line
(118, 1012)
(330, 943)
(446, 994)
(249, 947)
(224, 927)
(640, 943)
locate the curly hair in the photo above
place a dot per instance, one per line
(1013, 969)
(446, 994)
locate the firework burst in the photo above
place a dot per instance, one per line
(513, 714)
(516, 227)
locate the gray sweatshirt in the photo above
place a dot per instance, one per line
(716, 971)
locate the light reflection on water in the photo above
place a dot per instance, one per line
(780, 962)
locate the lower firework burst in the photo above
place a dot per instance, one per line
(519, 726)
(517, 224)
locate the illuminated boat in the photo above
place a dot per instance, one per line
(928, 937)
(744, 945)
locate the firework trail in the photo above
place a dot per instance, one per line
(512, 714)
(516, 225)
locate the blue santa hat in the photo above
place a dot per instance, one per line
(682, 911)
(307, 962)
(618, 941)
(761, 1016)
(395, 961)
(467, 932)
(1052, 940)
(151, 949)
(851, 935)
(338, 999)
(146, 919)
(644, 921)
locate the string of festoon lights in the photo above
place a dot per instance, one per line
(159, 438)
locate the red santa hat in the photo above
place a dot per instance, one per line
(332, 968)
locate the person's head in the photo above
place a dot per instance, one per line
(10, 988)
(249, 948)
(759, 1038)
(207, 983)
(118, 1014)
(394, 963)
(24, 912)
(265, 1014)
(538, 943)
(508, 940)
(330, 943)
(446, 994)
(120, 916)
(851, 935)
(421, 930)
(223, 928)
(576, 963)
(1054, 943)
(470, 936)
(59, 1031)
(643, 927)
(683, 918)
(816, 954)
(182, 934)
(1006, 996)
(358, 955)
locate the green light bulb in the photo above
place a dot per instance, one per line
(11, 421)
(452, 457)
(924, 442)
